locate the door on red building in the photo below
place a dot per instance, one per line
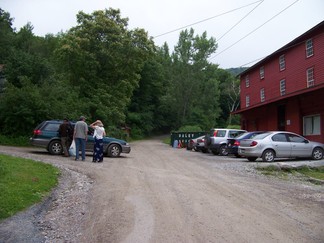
(281, 111)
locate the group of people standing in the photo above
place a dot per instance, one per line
(79, 134)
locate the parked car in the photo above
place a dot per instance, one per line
(280, 144)
(192, 144)
(200, 145)
(233, 143)
(216, 140)
(46, 135)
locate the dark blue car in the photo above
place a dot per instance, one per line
(46, 135)
(234, 143)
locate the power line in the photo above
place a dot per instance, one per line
(253, 30)
(254, 61)
(240, 20)
(201, 21)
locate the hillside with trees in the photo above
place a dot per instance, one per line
(102, 69)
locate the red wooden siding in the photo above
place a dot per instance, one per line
(299, 100)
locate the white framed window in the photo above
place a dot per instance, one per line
(310, 77)
(312, 125)
(309, 48)
(262, 72)
(262, 95)
(247, 101)
(247, 81)
(282, 63)
(282, 87)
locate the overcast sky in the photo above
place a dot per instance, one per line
(245, 30)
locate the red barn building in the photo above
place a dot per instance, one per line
(285, 91)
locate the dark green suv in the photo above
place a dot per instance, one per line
(46, 135)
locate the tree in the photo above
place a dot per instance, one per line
(189, 78)
(103, 59)
(230, 95)
(6, 35)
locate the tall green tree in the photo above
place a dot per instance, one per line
(189, 78)
(6, 35)
(103, 58)
(230, 96)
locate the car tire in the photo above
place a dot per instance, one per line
(251, 159)
(222, 150)
(55, 147)
(268, 155)
(317, 153)
(204, 150)
(114, 150)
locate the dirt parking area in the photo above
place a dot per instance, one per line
(161, 194)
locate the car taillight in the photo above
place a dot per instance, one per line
(236, 143)
(37, 132)
(254, 143)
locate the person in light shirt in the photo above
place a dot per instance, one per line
(80, 137)
(99, 133)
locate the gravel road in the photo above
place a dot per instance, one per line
(161, 194)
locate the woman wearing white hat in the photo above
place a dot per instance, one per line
(99, 133)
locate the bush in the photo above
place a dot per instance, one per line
(14, 141)
(234, 127)
(190, 128)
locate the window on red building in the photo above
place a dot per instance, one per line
(310, 77)
(282, 87)
(262, 95)
(247, 101)
(262, 72)
(312, 125)
(309, 48)
(282, 63)
(247, 81)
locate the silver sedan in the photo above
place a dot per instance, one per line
(280, 144)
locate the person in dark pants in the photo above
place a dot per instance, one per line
(80, 137)
(99, 133)
(64, 132)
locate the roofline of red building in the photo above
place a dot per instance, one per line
(285, 47)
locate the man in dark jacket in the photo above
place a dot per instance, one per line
(65, 131)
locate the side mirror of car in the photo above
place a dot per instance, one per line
(306, 141)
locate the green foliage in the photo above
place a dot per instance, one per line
(236, 71)
(6, 35)
(102, 69)
(189, 128)
(114, 57)
(303, 172)
(23, 182)
(14, 140)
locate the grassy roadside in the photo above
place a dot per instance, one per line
(315, 175)
(23, 182)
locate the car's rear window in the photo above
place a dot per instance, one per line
(234, 134)
(39, 125)
(54, 127)
(261, 136)
(218, 133)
